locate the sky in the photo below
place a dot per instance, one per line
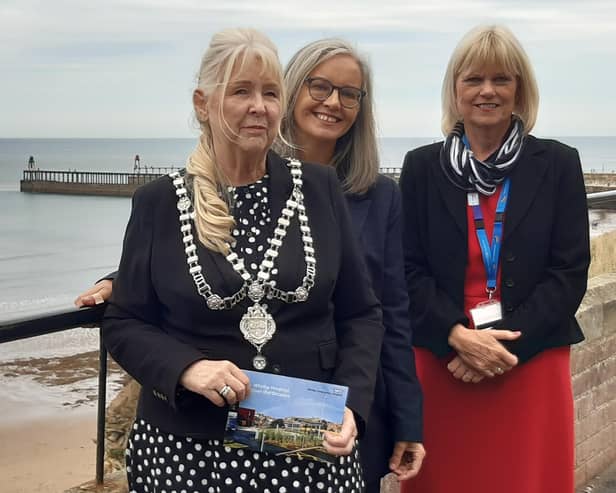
(126, 68)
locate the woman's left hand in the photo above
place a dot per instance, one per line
(482, 350)
(342, 443)
(97, 294)
(406, 459)
(460, 370)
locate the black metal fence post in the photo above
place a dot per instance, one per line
(102, 398)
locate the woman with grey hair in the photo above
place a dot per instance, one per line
(330, 120)
(495, 237)
(243, 260)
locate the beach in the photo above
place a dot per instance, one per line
(48, 409)
(48, 454)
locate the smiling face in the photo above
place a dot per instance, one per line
(486, 98)
(326, 121)
(246, 117)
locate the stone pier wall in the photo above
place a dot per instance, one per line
(593, 368)
(77, 188)
(607, 180)
(602, 254)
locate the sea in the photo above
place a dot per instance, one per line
(53, 247)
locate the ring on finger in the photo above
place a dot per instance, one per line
(498, 370)
(224, 391)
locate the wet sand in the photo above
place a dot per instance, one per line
(601, 221)
(48, 455)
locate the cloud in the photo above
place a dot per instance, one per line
(140, 56)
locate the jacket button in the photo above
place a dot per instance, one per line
(509, 283)
(509, 257)
(276, 368)
(508, 308)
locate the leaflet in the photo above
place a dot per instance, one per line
(286, 416)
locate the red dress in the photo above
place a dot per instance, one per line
(509, 434)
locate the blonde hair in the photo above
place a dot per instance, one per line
(495, 45)
(356, 156)
(228, 50)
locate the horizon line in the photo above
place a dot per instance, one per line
(191, 138)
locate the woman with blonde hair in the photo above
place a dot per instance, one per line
(496, 257)
(244, 260)
(329, 119)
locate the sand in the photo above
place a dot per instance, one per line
(48, 455)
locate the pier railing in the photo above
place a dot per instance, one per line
(95, 177)
(69, 318)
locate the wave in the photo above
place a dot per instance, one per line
(8, 187)
(26, 256)
(34, 305)
(58, 344)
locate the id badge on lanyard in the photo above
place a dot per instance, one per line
(487, 313)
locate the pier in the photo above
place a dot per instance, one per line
(88, 182)
(599, 182)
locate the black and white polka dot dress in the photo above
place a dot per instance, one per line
(160, 462)
(165, 463)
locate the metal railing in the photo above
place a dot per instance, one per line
(391, 171)
(598, 199)
(93, 177)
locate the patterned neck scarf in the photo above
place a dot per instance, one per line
(467, 172)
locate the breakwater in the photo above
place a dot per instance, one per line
(87, 182)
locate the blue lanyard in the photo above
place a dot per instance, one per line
(491, 252)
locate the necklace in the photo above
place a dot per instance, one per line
(257, 325)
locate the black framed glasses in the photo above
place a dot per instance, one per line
(321, 89)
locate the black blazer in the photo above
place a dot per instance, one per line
(156, 324)
(544, 257)
(377, 222)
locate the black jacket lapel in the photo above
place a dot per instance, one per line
(280, 181)
(526, 181)
(281, 185)
(453, 197)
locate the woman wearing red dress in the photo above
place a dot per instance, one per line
(496, 236)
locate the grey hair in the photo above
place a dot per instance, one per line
(491, 45)
(228, 50)
(356, 154)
